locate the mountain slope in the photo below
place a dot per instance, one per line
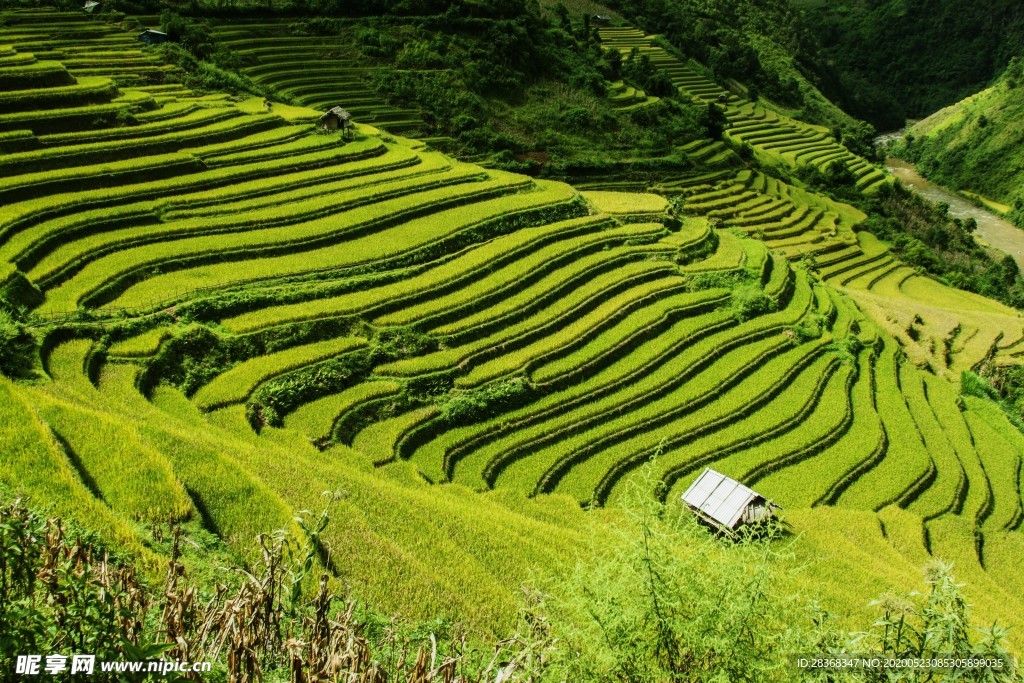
(977, 144)
(761, 49)
(892, 59)
(237, 312)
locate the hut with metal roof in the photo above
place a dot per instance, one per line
(726, 504)
(335, 118)
(151, 36)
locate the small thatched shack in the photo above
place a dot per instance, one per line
(336, 118)
(726, 504)
(153, 37)
(91, 6)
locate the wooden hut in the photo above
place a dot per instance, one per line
(336, 118)
(91, 6)
(726, 504)
(153, 37)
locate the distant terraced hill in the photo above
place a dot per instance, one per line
(948, 330)
(775, 138)
(944, 329)
(237, 313)
(315, 71)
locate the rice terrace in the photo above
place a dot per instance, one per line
(420, 390)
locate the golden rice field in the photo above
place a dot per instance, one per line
(237, 312)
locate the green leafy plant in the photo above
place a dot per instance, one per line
(670, 602)
(17, 346)
(933, 626)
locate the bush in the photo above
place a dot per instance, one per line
(202, 75)
(932, 626)
(281, 395)
(56, 592)
(472, 406)
(666, 600)
(17, 347)
(197, 38)
(404, 342)
(661, 599)
(749, 300)
(316, 26)
(612, 64)
(669, 602)
(926, 236)
(835, 179)
(278, 618)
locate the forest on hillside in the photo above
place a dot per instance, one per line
(892, 59)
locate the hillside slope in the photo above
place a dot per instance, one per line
(236, 312)
(761, 49)
(892, 60)
(977, 144)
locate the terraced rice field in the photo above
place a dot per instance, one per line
(239, 313)
(945, 329)
(313, 71)
(774, 137)
(627, 98)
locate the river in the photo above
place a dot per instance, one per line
(992, 228)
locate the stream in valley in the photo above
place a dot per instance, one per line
(992, 228)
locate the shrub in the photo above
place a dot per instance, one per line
(404, 342)
(239, 382)
(612, 64)
(16, 346)
(653, 81)
(195, 37)
(316, 26)
(849, 347)
(668, 602)
(925, 235)
(60, 592)
(205, 75)
(488, 401)
(190, 360)
(280, 396)
(1003, 384)
(749, 300)
(807, 330)
(56, 591)
(936, 625)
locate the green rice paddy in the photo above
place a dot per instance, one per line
(238, 313)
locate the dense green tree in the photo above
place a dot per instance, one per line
(892, 60)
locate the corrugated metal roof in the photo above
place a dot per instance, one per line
(719, 497)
